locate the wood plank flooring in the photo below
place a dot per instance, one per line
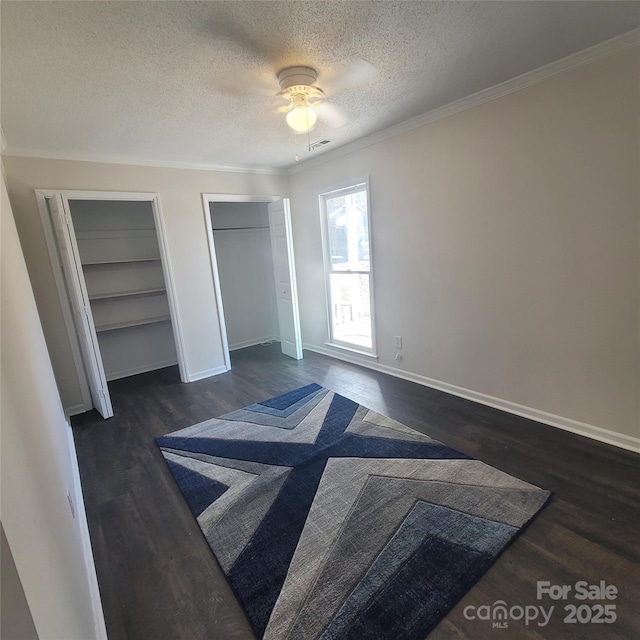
(158, 579)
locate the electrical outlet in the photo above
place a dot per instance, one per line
(73, 509)
(398, 342)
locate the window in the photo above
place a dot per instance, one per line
(347, 260)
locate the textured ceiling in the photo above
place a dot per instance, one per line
(195, 81)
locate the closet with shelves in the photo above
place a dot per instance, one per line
(120, 258)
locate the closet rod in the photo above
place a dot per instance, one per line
(237, 228)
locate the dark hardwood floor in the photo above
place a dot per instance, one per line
(158, 578)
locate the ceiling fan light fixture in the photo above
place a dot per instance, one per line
(297, 87)
(302, 118)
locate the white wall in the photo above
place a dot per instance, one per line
(180, 194)
(505, 241)
(38, 467)
(15, 618)
(245, 267)
(505, 245)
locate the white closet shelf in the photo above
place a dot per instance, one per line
(120, 231)
(95, 263)
(131, 323)
(114, 234)
(240, 228)
(127, 294)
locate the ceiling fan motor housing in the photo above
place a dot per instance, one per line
(295, 77)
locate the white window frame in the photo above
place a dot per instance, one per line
(340, 189)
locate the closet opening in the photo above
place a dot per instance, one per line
(120, 258)
(245, 267)
(252, 261)
(117, 287)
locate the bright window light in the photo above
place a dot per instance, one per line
(345, 214)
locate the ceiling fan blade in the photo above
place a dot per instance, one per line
(356, 73)
(332, 114)
(251, 58)
(249, 85)
(226, 28)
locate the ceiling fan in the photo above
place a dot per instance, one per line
(307, 101)
(304, 87)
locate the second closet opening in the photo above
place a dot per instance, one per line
(245, 268)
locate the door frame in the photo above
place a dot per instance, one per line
(207, 199)
(176, 324)
(72, 269)
(286, 291)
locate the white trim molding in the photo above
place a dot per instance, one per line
(89, 563)
(79, 156)
(163, 244)
(347, 187)
(169, 280)
(134, 371)
(340, 347)
(567, 424)
(253, 342)
(76, 409)
(235, 197)
(207, 199)
(54, 261)
(597, 52)
(207, 373)
(592, 54)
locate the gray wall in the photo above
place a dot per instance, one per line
(505, 242)
(39, 466)
(180, 193)
(505, 246)
(245, 267)
(16, 622)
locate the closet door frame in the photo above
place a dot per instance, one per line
(207, 199)
(154, 199)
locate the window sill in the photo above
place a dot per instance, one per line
(364, 354)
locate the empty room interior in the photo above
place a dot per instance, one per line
(320, 320)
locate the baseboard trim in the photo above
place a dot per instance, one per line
(207, 373)
(87, 552)
(567, 424)
(134, 371)
(76, 409)
(253, 342)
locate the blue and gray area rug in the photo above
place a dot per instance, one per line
(332, 521)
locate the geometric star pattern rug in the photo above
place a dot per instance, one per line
(332, 521)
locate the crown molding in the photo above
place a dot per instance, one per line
(129, 160)
(597, 52)
(592, 54)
